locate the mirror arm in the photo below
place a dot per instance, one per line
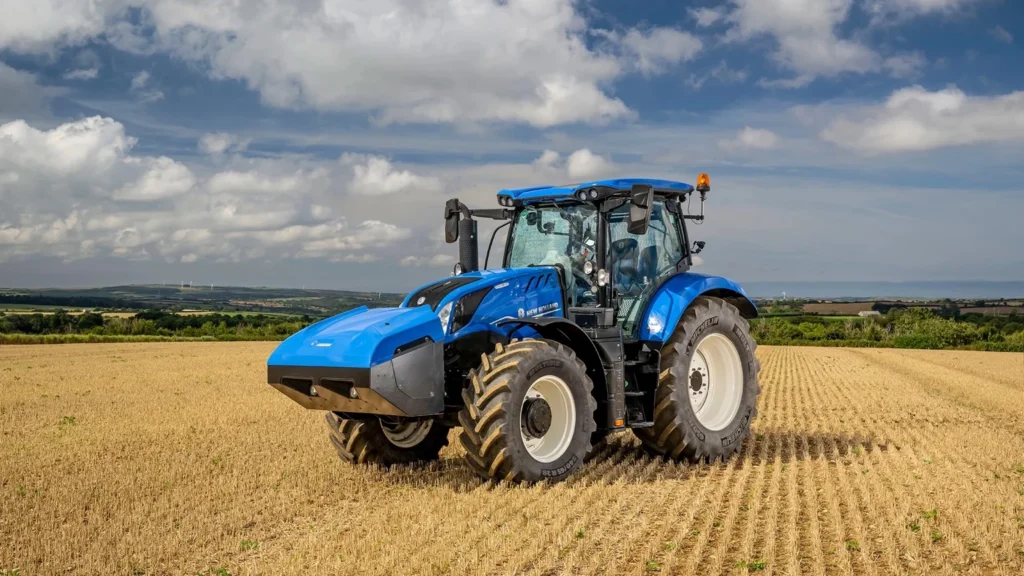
(493, 213)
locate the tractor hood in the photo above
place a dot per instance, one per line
(359, 338)
(482, 299)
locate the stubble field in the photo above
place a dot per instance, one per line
(179, 459)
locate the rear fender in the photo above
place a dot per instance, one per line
(677, 293)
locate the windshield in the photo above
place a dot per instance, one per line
(566, 235)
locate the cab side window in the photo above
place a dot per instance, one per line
(639, 262)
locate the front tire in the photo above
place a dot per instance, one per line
(529, 413)
(707, 391)
(386, 442)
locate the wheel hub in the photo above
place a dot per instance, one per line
(715, 384)
(548, 418)
(536, 417)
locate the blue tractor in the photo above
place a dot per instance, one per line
(593, 325)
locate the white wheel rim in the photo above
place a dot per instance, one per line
(406, 434)
(553, 444)
(715, 381)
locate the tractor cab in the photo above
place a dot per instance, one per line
(614, 241)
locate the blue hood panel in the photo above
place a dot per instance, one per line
(359, 338)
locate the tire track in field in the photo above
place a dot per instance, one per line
(876, 479)
(819, 466)
(935, 447)
(626, 505)
(760, 539)
(854, 509)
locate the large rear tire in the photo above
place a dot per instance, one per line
(707, 390)
(386, 443)
(529, 413)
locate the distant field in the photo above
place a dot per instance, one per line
(179, 459)
(1001, 310)
(838, 308)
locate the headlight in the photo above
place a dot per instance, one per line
(445, 314)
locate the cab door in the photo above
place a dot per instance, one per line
(639, 262)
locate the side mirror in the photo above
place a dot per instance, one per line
(640, 201)
(451, 220)
(697, 247)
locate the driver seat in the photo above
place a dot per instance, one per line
(624, 264)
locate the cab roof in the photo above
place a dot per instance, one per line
(568, 190)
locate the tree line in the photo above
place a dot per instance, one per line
(899, 328)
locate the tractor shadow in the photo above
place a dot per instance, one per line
(621, 459)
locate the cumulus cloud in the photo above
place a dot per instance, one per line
(90, 145)
(376, 176)
(77, 190)
(517, 61)
(657, 49)
(219, 143)
(750, 138)
(164, 178)
(578, 166)
(805, 32)
(585, 165)
(905, 65)
(917, 119)
(809, 42)
(40, 25)
(707, 16)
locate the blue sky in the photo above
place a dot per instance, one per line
(314, 142)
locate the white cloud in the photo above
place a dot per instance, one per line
(513, 61)
(76, 191)
(1001, 34)
(82, 74)
(521, 61)
(141, 87)
(39, 25)
(218, 143)
(806, 35)
(657, 49)
(140, 80)
(435, 260)
(888, 9)
(165, 178)
(707, 16)
(548, 159)
(750, 138)
(721, 72)
(905, 65)
(916, 119)
(92, 144)
(585, 165)
(808, 41)
(579, 166)
(376, 176)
